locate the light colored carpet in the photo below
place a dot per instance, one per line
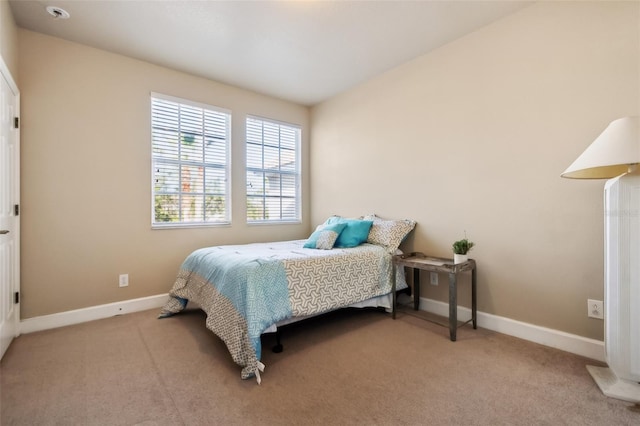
(350, 367)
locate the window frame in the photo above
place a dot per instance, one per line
(297, 173)
(226, 221)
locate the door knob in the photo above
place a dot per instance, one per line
(4, 231)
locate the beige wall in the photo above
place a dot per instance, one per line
(86, 170)
(9, 39)
(473, 137)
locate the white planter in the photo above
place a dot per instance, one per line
(460, 258)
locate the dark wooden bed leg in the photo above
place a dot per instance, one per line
(278, 346)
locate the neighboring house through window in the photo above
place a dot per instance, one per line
(273, 171)
(190, 156)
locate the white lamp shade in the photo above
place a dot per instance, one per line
(613, 153)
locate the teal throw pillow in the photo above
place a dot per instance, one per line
(325, 236)
(356, 232)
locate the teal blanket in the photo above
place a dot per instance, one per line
(255, 287)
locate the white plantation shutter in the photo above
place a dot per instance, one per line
(190, 155)
(273, 171)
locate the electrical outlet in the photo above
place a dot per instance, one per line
(434, 278)
(595, 309)
(123, 280)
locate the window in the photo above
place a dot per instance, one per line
(273, 171)
(190, 155)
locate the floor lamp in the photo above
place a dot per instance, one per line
(615, 155)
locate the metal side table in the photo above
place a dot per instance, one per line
(418, 261)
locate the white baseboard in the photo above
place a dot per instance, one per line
(578, 345)
(589, 348)
(92, 313)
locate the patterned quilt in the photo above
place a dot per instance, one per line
(245, 289)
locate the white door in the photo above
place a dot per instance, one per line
(9, 209)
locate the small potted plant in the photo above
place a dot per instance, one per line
(460, 250)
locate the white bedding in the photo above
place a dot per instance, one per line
(385, 301)
(247, 289)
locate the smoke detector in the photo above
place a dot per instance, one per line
(58, 12)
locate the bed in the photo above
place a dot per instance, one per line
(247, 290)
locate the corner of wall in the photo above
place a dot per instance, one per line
(9, 39)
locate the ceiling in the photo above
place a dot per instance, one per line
(300, 51)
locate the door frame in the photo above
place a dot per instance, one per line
(15, 190)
